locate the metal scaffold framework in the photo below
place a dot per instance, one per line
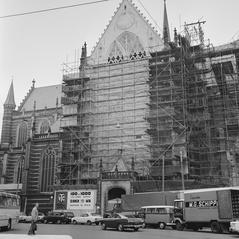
(109, 101)
(173, 113)
(194, 110)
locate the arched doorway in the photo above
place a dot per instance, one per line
(114, 199)
(115, 193)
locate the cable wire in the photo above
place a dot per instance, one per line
(52, 9)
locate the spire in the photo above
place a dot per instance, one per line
(166, 33)
(10, 101)
(83, 56)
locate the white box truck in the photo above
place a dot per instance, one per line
(214, 207)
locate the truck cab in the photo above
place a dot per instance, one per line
(178, 217)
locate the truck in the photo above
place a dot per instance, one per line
(213, 207)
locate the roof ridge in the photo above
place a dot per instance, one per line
(47, 86)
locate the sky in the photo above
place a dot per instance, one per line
(36, 46)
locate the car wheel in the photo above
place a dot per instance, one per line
(103, 226)
(179, 226)
(215, 227)
(120, 228)
(136, 229)
(58, 221)
(45, 221)
(96, 223)
(74, 222)
(162, 225)
(88, 222)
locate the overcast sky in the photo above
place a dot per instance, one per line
(35, 46)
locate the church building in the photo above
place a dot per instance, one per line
(138, 114)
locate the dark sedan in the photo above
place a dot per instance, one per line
(122, 222)
(58, 217)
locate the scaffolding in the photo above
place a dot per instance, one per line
(121, 96)
(75, 166)
(172, 112)
(104, 110)
(194, 109)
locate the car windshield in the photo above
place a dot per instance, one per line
(70, 214)
(130, 216)
(95, 214)
(119, 216)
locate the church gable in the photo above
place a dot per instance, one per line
(120, 165)
(127, 34)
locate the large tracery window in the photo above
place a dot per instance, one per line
(44, 127)
(47, 169)
(22, 134)
(126, 45)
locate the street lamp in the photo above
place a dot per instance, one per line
(182, 171)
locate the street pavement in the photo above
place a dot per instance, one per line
(92, 231)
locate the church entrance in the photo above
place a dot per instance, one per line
(114, 199)
(111, 193)
(115, 193)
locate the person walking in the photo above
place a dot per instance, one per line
(34, 215)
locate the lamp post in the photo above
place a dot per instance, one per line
(163, 169)
(182, 173)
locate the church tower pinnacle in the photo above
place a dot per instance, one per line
(9, 107)
(10, 101)
(166, 33)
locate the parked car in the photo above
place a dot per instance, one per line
(121, 222)
(40, 216)
(24, 218)
(58, 217)
(234, 227)
(87, 218)
(160, 216)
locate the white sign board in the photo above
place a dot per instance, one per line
(75, 200)
(81, 199)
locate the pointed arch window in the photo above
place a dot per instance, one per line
(47, 175)
(22, 134)
(18, 169)
(44, 127)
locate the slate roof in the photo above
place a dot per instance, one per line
(45, 97)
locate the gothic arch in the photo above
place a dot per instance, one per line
(115, 192)
(17, 172)
(21, 134)
(44, 126)
(47, 167)
(126, 44)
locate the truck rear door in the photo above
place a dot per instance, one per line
(224, 204)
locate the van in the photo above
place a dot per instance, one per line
(160, 216)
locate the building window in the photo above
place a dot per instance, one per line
(47, 169)
(44, 127)
(22, 134)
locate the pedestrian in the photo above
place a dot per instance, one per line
(34, 215)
